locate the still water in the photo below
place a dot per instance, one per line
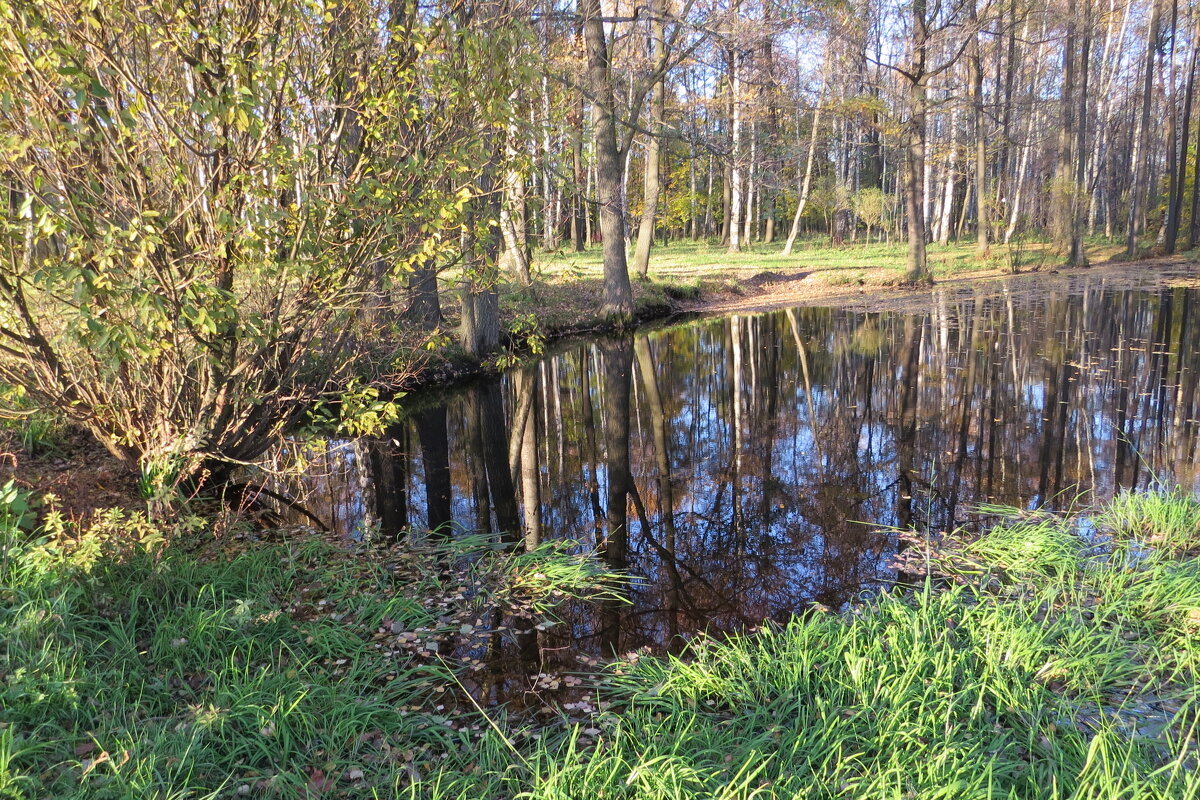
(747, 467)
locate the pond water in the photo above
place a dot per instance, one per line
(747, 467)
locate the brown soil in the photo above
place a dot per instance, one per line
(81, 475)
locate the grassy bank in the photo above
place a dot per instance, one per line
(567, 290)
(130, 668)
(1048, 658)
(878, 264)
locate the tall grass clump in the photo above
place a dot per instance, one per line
(130, 668)
(1029, 662)
(1167, 521)
(1041, 659)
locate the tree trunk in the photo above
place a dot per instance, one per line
(1139, 188)
(1179, 175)
(1077, 257)
(550, 209)
(946, 210)
(579, 197)
(1194, 221)
(726, 202)
(1070, 180)
(424, 308)
(515, 254)
(618, 294)
(916, 264)
(735, 166)
(806, 184)
(651, 184)
(479, 332)
(982, 196)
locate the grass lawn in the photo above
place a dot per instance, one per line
(874, 263)
(567, 291)
(1048, 658)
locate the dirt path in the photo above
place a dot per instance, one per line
(771, 290)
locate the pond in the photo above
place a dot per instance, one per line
(748, 467)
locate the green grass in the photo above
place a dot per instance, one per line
(293, 669)
(567, 291)
(1047, 658)
(874, 263)
(34, 431)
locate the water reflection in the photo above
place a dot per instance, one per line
(732, 462)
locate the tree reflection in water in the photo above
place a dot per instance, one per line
(741, 466)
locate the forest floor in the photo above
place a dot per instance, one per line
(704, 278)
(782, 290)
(689, 277)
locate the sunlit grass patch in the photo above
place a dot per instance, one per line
(1167, 521)
(1039, 659)
(1030, 663)
(872, 263)
(297, 668)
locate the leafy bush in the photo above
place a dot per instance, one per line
(203, 209)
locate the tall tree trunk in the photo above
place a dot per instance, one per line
(1140, 187)
(515, 254)
(1077, 257)
(579, 195)
(652, 185)
(726, 202)
(749, 228)
(982, 196)
(1194, 221)
(1169, 230)
(916, 264)
(618, 294)
(550, 208)
(806, 184)
(946, 209)
(1064, 172)
(479, 331)
(424, 308)
(693, 230)
(1180, 173)
(1070, 176)
(735, 165)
